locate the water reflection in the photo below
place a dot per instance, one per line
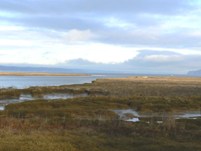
(2, 108)
(62, 96)
(134, 116)
(29, 97)
(26, 97)
(128, 115)
(133, 120)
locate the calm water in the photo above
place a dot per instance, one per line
(27, 81)
(29, 97)
(134, 116)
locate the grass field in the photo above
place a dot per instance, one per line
(89, 124)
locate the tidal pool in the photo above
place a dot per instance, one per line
(2, 108)
(131, 115)
(193, 115)
(128, 115)
(29, 97)
(62, 96)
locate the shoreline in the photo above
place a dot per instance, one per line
(40, 74)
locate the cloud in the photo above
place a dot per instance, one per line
(80, 14)
(146, 62)
(79, 36)
(61, 6)
(153, 23)
(78, 62)
(164, 62)
(163, 58)
(86, 12)
(102, 31)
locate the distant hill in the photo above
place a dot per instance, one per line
(195, 73)
(80, 67)
(38, 69)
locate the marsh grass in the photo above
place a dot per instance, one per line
(89, 124)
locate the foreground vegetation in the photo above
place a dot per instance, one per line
(89, 124)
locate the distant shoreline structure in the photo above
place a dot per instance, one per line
(40, 74)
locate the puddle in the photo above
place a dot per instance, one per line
(189, 115)
(134, 116)
(122, 113)
(22, 98)
(2, 108)
(159, 122)
(29, 97)
(128, 115)
(62, 96)
(26, 97)
(133, 120)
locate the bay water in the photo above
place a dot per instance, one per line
(28, 81)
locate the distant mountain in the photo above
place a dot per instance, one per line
(195, 73)
(145, 62)
(94, 67)
(80, 62)
(38, 69)
(72, 67)
(77, 63)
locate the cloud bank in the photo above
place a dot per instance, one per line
(50, 32)
(147, 61)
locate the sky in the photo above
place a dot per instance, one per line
(139, 35)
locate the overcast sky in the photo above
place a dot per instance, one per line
(105, 31)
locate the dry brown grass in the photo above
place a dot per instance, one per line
(159, 79)
(88, 124)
